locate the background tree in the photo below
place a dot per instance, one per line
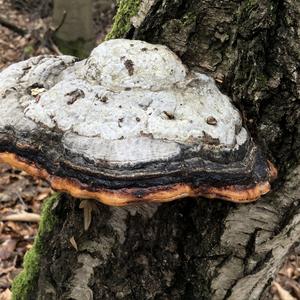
(191, 249)
(76, 33)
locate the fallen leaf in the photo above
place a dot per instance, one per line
(294, 286)
(88, 206)
(1, 227)
(6, 270)
(37, 91)
(7, 248)
(6, 295)
(43, 195)
(73, 243)
(282, 293)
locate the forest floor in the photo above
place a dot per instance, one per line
(21, 196)
(24, 34)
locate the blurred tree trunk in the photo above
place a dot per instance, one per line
(196, 249)
(76, 28)
(76, 34)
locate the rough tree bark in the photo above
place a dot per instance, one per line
(192, 249)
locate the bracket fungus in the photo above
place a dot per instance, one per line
(130, 123)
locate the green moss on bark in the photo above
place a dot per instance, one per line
(189, 18)
(122, 24)
(24, 283)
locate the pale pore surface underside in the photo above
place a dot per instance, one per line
(129, 102)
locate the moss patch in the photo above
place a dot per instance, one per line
(127, 9)
(189, 18)
(24, 282)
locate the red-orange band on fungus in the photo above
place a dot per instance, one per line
(124, 196)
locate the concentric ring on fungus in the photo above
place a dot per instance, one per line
(128, 124)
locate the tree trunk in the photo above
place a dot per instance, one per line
(76, 33)
(194, 249)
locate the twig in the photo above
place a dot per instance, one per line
(12, 27)
(61, 22)
(55, 49)
(22, 217)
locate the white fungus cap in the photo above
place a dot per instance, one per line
(130, 100)
(124, 63)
